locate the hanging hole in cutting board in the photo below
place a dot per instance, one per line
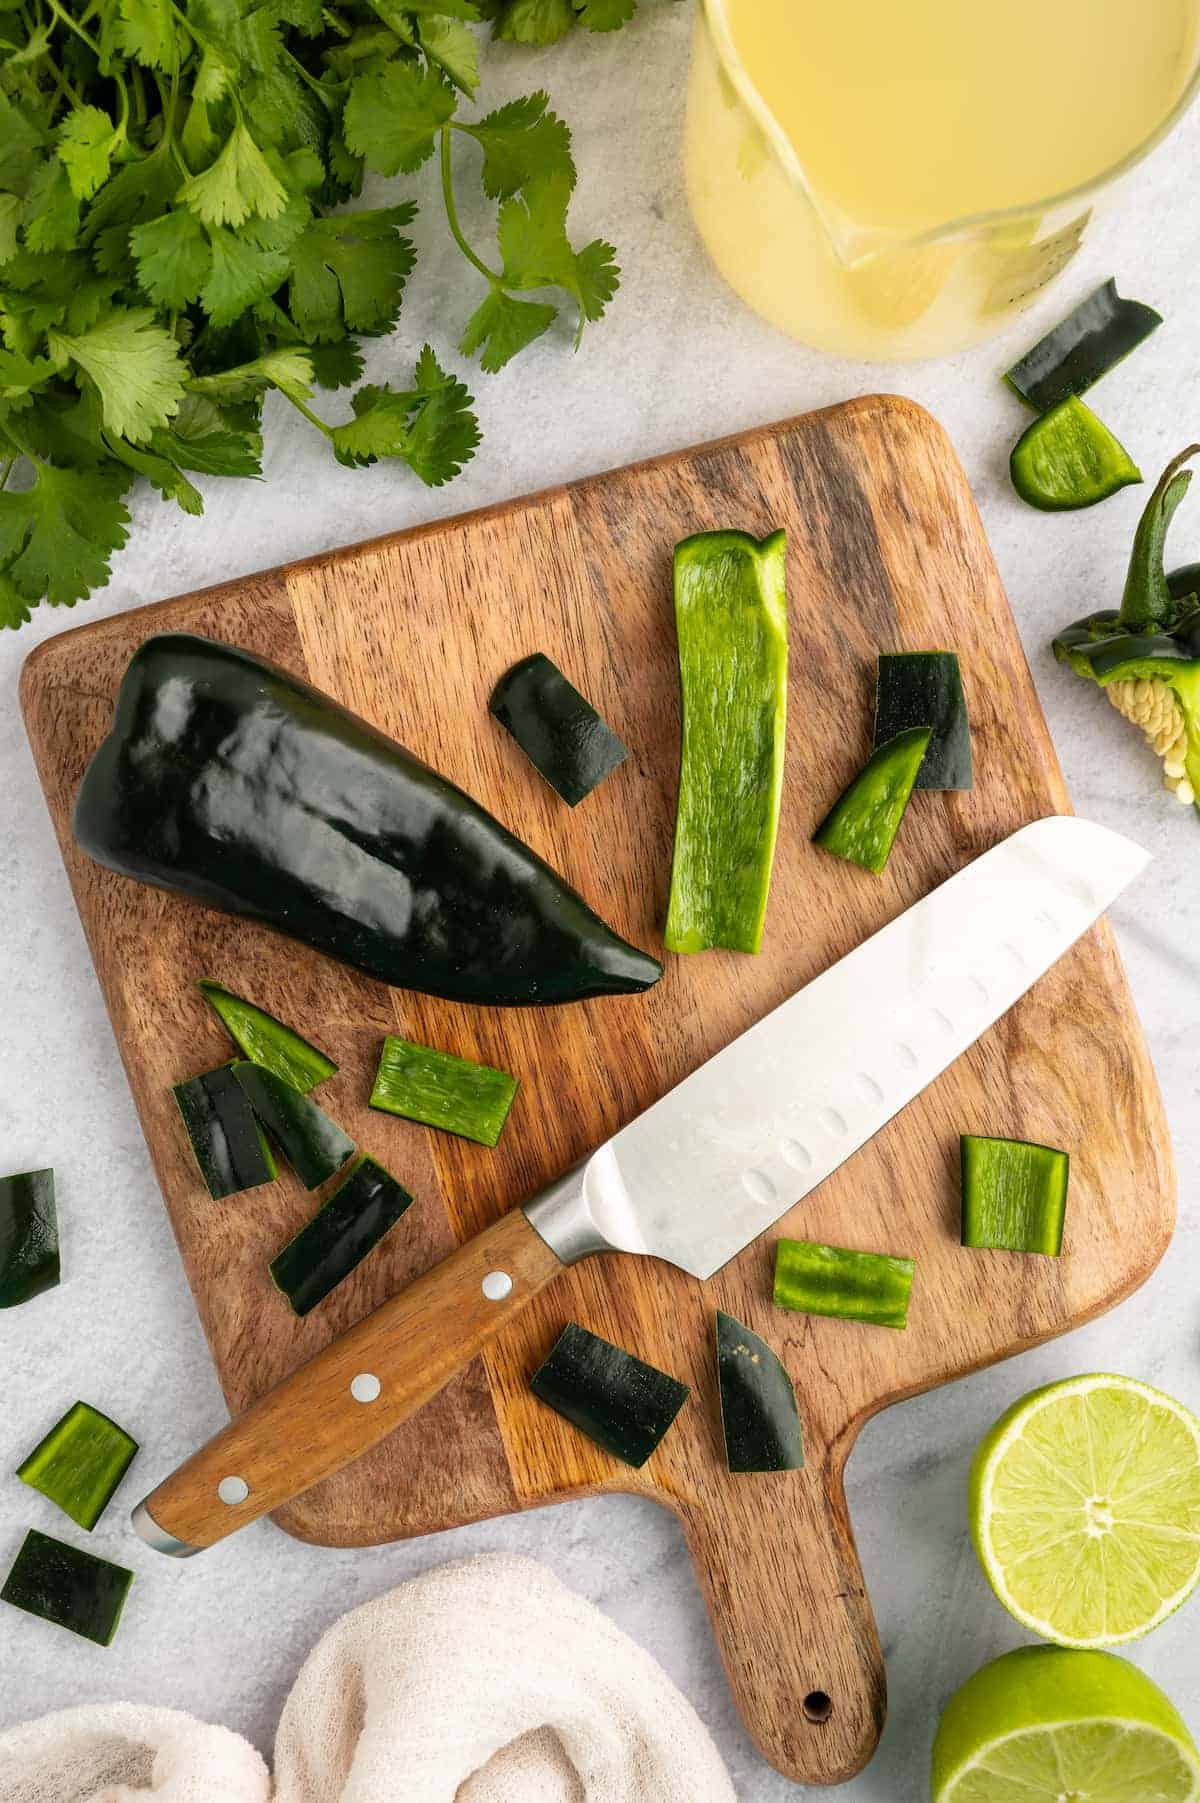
(817, 1706)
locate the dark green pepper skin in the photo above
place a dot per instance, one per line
(1101, 647)
(228, 780)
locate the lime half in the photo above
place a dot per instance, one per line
(1085, 1509)
(1051, 1725)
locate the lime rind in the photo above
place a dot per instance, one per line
(1107, 1559)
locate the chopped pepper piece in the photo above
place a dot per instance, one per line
(855, 1286)
(620, 1402)
(313, 1145)
(1069, 459)
(1014, 1195)
(1091, 340)
(924, 688)
(759, 1417)
(440, 1090)
(67, 1586)
(731, 622)
(862, 824)
(339, 1236)
(556, 727)
(265, 1040)
(1146, 654)
(80, 1463)
(229, 1145)
(29, 1257)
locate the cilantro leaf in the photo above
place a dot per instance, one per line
(158, 470)
(501, 326)
(57, 537)
(51, 211)
(239, 185)
(532, 230)
(523, 143)
(606, 15)
(349, 271)
(217, 441)
(10, 218)
(288, 369)
(135, 366)
(337, 363)
(534, 21)
(452, 46)
(87, 141)
(15, 608)
(393, 115)
(240, 274)
(146, 31)
(597, 276)
(173, 258)
(430, 427)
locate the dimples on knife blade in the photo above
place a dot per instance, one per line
(709, 1167)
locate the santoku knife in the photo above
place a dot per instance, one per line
(695, 1178)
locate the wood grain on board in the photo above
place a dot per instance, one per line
(885, 550)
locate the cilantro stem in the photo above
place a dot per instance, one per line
(452, 214)
(6, 472)
(60, 12)
(309, 415)
(310, 80)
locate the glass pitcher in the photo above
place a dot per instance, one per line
(829, 273)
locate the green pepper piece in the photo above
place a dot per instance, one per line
(1069, 459)
(29, 1257)
(731, 622)
(620, 1402)
(80, 1463)
(1146, 656)
(1097, 335)
(67, 1586)
(339, 1236)
(265, 1040)
(759, 1417)
(440, 1090)
(1014, 1195)
(924, 688)
(863, 822)
(225, 779)
(313, 1145)
(853, 1286)
(229, 1146)
(559, 731)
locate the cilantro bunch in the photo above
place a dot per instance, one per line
(175, 243)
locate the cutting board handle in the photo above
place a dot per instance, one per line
(792, 1618)
(353, 1393)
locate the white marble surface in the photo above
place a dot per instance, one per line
(678, 361)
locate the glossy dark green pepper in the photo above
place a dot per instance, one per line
(227, 779)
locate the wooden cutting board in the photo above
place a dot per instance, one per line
(885, 550)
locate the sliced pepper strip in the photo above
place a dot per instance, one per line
(812, 1279)
(313, 1145)
(79, 1463)
(441, 1090)
(759, 1418)
(227, 1142)
(265, 1040)
(1094, 337)
(339, 1236)
(1068, 459)
(1014, 1195)
(67, 1586)
(731, 623)
(556, 727)
(29, 1256)
(862, 824)
(617, 1400)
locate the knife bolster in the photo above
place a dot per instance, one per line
(562, 1215)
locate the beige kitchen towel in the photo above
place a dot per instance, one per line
(482, 1682)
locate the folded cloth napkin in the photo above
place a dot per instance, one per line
(482, 1682)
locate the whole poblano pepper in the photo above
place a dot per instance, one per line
(227, 779)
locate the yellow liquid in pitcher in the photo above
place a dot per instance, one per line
(905, 115)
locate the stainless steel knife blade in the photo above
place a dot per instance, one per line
(708, 1168)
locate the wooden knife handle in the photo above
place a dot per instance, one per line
(793, 1620)
(352, 1394)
